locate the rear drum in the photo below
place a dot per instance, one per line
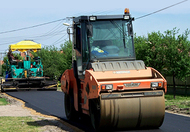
(95, 113)
(70, 111)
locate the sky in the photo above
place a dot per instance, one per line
(21, 14)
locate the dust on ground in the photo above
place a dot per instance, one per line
(14, 108)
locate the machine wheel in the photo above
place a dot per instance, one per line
(95, 114)
(70, 111)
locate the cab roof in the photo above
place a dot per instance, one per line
(100, 17)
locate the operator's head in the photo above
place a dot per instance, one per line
(10, 51)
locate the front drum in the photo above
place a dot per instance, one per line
(132, 109)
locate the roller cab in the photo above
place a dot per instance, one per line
(106, 81)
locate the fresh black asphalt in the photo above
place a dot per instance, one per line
(52, 103)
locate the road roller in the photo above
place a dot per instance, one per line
(106, 82)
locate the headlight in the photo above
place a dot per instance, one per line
(107, 87)
(92, 18)
(156, 84)
(126, 17)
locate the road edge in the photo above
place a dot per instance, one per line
(33, 112)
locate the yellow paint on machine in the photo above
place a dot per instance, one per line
(9, 88)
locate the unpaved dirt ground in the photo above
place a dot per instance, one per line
(15, 108)
(176, 110)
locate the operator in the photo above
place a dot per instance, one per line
(96, 50)
(12, 59)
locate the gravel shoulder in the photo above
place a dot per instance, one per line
(49, 124)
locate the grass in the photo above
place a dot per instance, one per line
(18, 124)
(58, 88)
(3, 101)
(180, 101)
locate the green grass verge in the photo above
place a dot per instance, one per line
(3, 101)
(180, 101)
(18, 124)
(58, 88)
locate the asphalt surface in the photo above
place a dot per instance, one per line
(51, 103)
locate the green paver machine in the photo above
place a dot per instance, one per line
(26, 73)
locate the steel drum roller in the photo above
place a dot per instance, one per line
(131, 110)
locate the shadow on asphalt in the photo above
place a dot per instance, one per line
(83, 124)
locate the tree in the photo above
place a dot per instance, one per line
(177, 55)
(67, 53)
(54, 60)
(142, 49)
(168, 51)
(150, 50)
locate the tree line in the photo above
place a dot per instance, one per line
(167, 52)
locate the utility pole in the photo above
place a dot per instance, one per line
(68, 31)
